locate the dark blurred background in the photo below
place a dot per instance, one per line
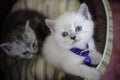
(5, 7)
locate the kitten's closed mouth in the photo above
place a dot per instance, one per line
(75, 41)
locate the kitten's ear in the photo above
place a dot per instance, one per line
(6, 47)
(27, 26)
(50, 24)
(83, 10)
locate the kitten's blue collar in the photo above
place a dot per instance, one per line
(82, 52)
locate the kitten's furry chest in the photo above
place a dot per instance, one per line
(56, 55)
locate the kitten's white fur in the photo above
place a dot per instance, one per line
(56, 47)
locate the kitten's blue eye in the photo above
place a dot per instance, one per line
(64, 34)
(78, 28)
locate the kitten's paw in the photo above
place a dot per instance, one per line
(95, 57)
(93, 74)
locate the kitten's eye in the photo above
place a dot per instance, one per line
(34, 45)
(26, 53)
(64, 34)
(78, 28)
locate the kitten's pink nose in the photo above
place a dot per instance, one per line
(73, 37)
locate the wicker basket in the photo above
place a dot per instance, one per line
(102, 17)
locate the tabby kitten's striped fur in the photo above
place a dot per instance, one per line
(22, 33)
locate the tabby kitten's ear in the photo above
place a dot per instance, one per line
(6, 47)
(50, 24)
(83, 10)
(27, 26)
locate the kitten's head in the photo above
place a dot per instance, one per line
(21, 42)
(72, 28)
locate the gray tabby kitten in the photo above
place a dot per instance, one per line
(72, 29)
(18, 46)
(23, 33)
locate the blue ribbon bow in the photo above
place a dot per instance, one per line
(82, 52)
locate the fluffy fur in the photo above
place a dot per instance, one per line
(22, 43)
(57, 44)
(23, 33)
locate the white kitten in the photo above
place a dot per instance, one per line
(72, 29)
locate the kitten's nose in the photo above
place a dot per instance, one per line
(73, 37)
